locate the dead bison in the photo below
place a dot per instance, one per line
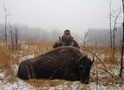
(62, 63)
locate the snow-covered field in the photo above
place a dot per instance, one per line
(105, 81)
(19, 84)
(23, 85)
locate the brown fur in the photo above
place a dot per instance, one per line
(60, 63)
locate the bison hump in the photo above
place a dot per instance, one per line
(70, 52)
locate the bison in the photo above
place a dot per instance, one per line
(61, 63)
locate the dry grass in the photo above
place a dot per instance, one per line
(8, 58)
(47, 83)
(104, 53)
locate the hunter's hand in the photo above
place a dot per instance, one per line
(58, 42)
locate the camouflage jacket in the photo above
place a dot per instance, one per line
(64, 42)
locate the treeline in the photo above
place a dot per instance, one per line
(101, 37)
(33, 34)
(97, 37)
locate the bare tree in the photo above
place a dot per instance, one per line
(11, 36)
(110, 23)
(14, 36)
(121, 69)
(84, 39)
(7, 14)
(113, 15)
(116, 17)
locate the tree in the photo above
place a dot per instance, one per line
(113, 18)
(110, 23)
(122, 48)
(11, 36)
(7, 14)
(116, 17)
(14, 36)
(84, 39)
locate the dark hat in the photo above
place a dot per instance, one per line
(67, 31)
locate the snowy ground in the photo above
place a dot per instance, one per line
(19, 84)
(23, 85)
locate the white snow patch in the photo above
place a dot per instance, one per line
(75, 85)
(19, 85)
(3, 44)
(62, 87)
(26, 57)
(15, 69)
(2, 74)
(93, 86)
(20, 52)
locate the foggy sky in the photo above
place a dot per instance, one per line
(76, 15)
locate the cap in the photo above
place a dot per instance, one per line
(67, 31)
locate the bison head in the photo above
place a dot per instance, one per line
(84, 68)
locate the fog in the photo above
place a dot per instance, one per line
(76, 15)
(100, 37)
(96, 37)
(46, 20)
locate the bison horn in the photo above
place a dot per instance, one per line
(92, 61)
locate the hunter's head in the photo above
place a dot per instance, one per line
(67, 34)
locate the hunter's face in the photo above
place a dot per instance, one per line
(67, 35)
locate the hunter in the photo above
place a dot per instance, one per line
(66, 40)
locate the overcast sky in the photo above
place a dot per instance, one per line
(76, 15)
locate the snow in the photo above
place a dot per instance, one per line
(75, 85)
(15, 69)
(93, 86)
(3, 44)
(18, 85)
(2, 74)
(62, 87)
(26, 57)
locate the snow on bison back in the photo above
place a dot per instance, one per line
(61, 63)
